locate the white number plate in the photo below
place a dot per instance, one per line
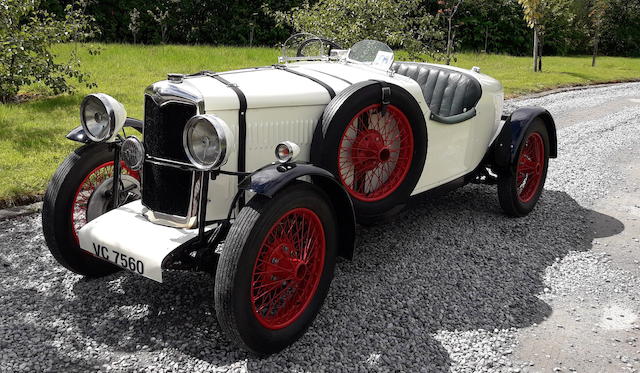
(119, 259)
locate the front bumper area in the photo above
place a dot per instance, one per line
(126, 238)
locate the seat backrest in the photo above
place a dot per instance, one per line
(447, 92)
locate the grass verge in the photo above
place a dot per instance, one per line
(32, 141)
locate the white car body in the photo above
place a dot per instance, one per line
(282, 106)
(286, 107)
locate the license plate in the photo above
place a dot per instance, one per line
(125, 261)
(127, 239)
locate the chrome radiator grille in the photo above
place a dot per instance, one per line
(166, 189)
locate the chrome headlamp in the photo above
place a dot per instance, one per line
(208, 141)
(102, 116)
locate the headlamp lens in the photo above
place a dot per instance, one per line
(95, 118)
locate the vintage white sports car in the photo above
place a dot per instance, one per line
(355, 135)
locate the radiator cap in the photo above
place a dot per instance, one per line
(175, 78)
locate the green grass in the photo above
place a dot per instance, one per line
(32, 141)
(517, 76)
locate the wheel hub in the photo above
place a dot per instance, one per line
(101, 200)
(375, 152)
(369, 150)
(300, 269)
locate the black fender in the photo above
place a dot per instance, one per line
(506, 145)
(77, 134)
(270, 179)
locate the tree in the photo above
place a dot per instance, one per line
(622, 29)
(493, 25)
(533, 16)
(134, 23)
(403, 24)
(26, 36)
(161, 16)
(597, 16)
(449, 10)
(540, 13)
(485, 9)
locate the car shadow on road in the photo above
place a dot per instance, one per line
(451, 263)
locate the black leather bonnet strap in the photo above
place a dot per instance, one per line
(242, 125)
(332, 93)
(331, 75)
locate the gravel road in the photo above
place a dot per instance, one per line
(452, 286)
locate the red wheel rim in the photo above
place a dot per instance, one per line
(86, 188)
(288, 268)
(375, 152)
(530, 167)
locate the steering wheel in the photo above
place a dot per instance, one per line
(332, 45)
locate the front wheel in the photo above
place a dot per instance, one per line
(275, 269)
(520, 189)
(78, 192)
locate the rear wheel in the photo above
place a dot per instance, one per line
(276, 268)
(520, 189)
(79, 192)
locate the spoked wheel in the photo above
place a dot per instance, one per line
(92, 197)
(520, 190)
(276, 268)
(376, 151)
(530, 167)
(80, 191)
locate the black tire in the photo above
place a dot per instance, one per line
(508, 193)
(336, 118)
(233, 288)
(57, 223)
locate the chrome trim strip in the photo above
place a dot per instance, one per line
(165, 92)
(177, 221)
(162, 93)
(171, 163)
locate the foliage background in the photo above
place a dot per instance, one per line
(224, 22)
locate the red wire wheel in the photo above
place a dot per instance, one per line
(375, 152)
(86, 188)
(530, 167)
(288, 268)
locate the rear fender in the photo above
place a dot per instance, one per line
(78, 134)
(505, 147)
(271, 179)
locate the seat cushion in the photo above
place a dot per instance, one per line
(447, 92)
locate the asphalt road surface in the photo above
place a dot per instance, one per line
(453, 285)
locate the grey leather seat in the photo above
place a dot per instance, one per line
(451, 95)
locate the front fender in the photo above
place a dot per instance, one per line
(270, 179)
(78, 134)
(506, 146)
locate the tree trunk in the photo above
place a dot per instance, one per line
(596, 41)
(535, 49)
(540, 44)
(449, 42)
(486, 39)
